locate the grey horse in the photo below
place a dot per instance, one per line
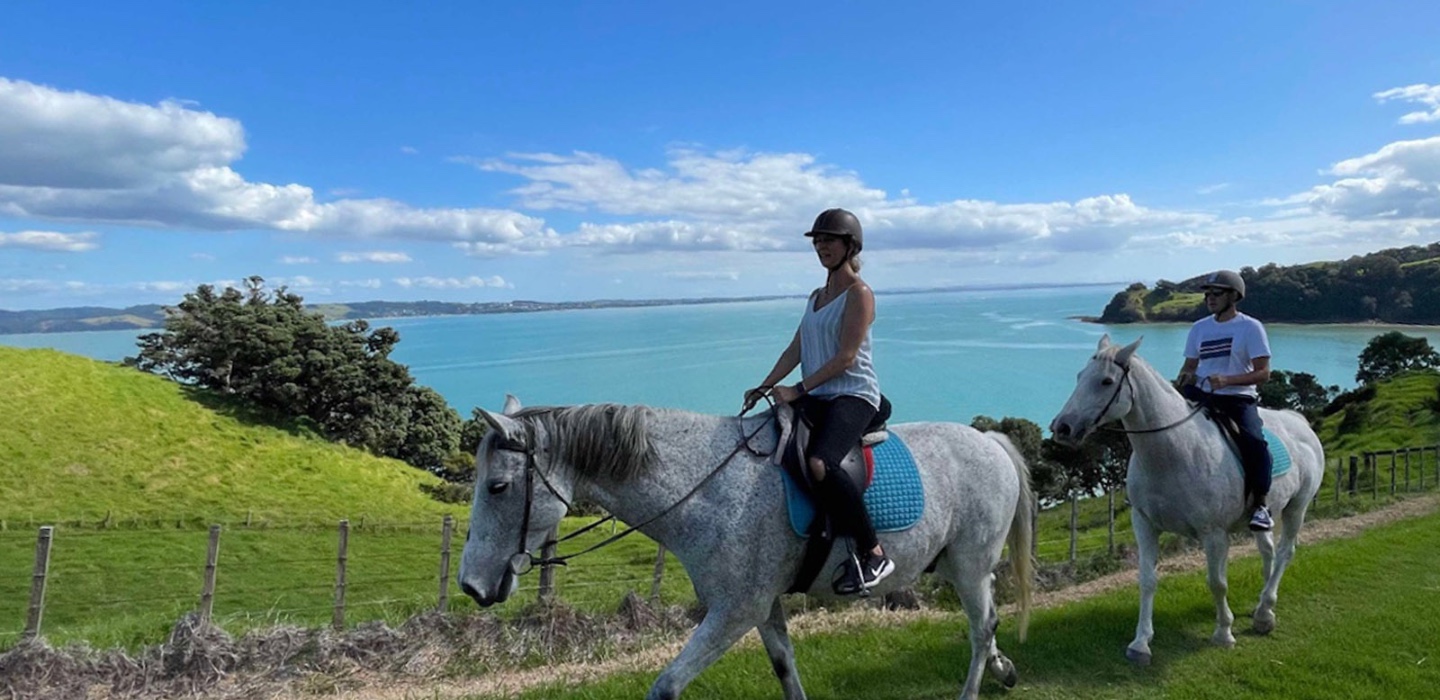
(1183, 478)
(688, 482)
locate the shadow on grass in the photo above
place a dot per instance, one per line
(249, 415)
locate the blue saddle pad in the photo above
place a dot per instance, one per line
(1279, 455)
(895, 499)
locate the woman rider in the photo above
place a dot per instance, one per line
(838, 392)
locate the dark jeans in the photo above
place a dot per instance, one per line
(1254, 451)
(836, 426)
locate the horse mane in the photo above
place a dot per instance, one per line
(602, 439)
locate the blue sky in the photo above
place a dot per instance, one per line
(560, 151)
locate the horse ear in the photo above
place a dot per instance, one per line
(501, 424)
(1122, 357)
(1104, 342)
(512, 405)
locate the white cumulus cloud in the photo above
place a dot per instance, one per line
(1399, 181)
(76, 156)
(471, 282)
(1426, 95)
(377, 256)
(50, 241)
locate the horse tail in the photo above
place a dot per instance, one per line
(1022, 533)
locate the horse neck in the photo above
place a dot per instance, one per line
(1155, 405)
(689, 447)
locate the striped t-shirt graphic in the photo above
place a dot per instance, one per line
(1227, 348)
(1217, 348)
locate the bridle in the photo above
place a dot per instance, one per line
(1124, 382)
(522, 561)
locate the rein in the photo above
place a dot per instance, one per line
(523, 561)
(1125, 381)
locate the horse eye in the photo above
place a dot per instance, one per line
(498, 487)
(1107, 381)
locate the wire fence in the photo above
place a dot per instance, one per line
(106, 584)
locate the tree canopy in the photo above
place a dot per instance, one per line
(264, 348)
(1389, 354)
(1398, 285)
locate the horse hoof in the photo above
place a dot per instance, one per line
(1139, 658)
(1264, 625)
(1010, 678)
(1223, 642)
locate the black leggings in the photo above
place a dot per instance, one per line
(837, 426)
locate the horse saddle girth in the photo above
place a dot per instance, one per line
(794, 439)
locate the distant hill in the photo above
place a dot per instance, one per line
(95, 318)
(82, 438)
(82, 318)
(1399, 285)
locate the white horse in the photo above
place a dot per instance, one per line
(688, 481)
(1184, 478)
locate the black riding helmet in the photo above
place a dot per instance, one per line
(838, 222)
(1225, 279)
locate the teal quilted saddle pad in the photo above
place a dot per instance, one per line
(895, 499)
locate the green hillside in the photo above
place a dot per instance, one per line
(1401, 412)
(82, 439)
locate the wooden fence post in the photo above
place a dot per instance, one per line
(1074, 524)
(338, 619)
(1354, 473)
(1110, 524)
(1374, 462)
(446, 527)
(659, 572)
(547, 571)
(207, 591)
(37, 583)
(1392, 472)
(1407, 470)
(1035, 531)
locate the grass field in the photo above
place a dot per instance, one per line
(1357, 619)
(132, 469)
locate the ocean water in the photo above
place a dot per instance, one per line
(940, 356)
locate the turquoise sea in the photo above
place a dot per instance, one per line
(940, 355)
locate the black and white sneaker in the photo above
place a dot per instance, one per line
(848, 579)
(875, 568)
(1260, 521)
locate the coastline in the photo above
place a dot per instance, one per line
(1371, 324)
(69, 320)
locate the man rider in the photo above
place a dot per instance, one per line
(1227, 355)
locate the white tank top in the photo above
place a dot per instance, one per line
(820, 341)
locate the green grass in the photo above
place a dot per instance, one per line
(83, 440)
(126, 588)
(1357, 619)
(1178, 303)
(1402, 414)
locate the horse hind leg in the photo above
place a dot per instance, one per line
(782, 654)
(974, 588)
(1292, 518)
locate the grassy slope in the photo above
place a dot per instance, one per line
(82, 438)
(1356, 620)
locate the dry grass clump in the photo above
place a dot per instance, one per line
(199, 659)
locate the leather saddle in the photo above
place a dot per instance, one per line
(794, 442)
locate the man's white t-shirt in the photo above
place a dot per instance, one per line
(1227, 348)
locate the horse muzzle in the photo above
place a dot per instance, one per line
(1066, 434)
(485, 595)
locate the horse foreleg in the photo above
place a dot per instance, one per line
(1147, 541)
(720, 629)
(1217, 551)
(782, 654)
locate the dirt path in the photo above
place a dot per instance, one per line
(653, 659)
